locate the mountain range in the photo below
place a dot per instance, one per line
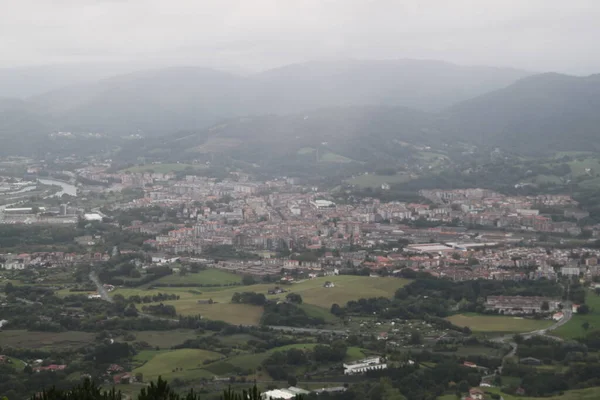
(301, 105)
(159, 102)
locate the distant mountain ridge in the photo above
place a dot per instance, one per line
(163, 101)
(366, 107)
(538, 113)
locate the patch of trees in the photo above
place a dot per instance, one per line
(294, 298)
(226, 252)
(470, 292)
(160, 309)
(37, 235)
(151, 299)
(548, 350)
(288, 314)
(111, 353)
(409, 307)
(280, 364)
(576, 293)
(257, 299)
(113, 276)
(159, 390)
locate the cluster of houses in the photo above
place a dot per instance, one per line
(521, 304)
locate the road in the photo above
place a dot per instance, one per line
(100, 288)
(568, 314)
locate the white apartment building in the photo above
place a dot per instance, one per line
(364, 365)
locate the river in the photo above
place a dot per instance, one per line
(66, 188)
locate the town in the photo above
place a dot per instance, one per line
(350, 282)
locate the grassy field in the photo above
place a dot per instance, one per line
(347, 287)
(17, 364)
(579, 394)
(546, 179)
(492, 323)
(306, 150)
(165, 341)
(183, 363)
(144, 356)
(319, 312)
(578, 167)
(375, 181)
(236, 314)
(574, 328)
(161, 168)
(248, 362)
(331, 157)
(41, 340)
(355, 353)
(209, 276)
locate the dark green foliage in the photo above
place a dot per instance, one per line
(160, 309)
(155, 391)
(257, 299)
(294, 298)
(86, 391)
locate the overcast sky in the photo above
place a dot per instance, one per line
(538, 35)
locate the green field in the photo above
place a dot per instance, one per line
(183, 363)
(492, 323)
(319, 312)
(579, 394)
(574, 329)
(578, 167)
(347, 287)
(144, 356)
(45, 340)
(17, 364)
(546, 179)
(355, 353)
(236, 314)
(162, 340)
(324, 156)
(249, 362)
(306, 151)
(161, 168)
(433, 159)
(375, 181)
(331, 157)
(211, 276)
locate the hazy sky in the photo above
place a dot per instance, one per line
(540, 35)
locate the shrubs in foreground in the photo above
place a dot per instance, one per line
(155, 391)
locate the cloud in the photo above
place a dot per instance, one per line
(532, 34)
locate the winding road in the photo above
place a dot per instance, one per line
(567, 315)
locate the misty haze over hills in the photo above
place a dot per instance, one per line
(484, 105)
(166, 100)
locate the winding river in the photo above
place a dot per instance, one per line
(66, 187)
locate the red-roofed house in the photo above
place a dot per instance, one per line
(51, 367)
(476, 394)
(122, 378)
